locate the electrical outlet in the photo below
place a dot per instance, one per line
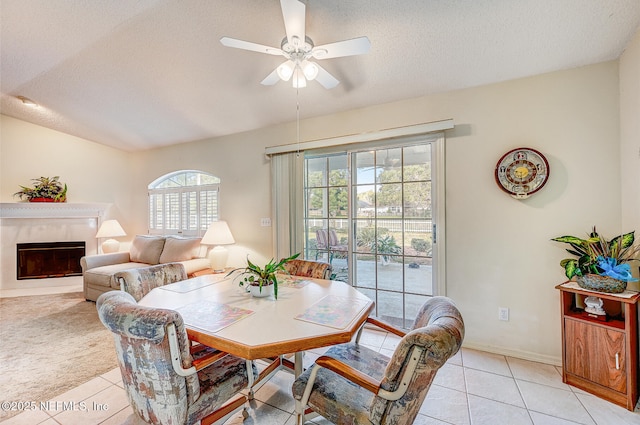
(265, 222)
(503, 314)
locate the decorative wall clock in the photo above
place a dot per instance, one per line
(522, 172)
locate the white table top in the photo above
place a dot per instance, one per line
(272, 328)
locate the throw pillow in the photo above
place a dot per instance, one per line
(180, 249)
(146, 249)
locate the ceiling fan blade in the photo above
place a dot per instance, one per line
(327, 80)
(293, 13)
(355, 46)
(271, 79)
(247, 45)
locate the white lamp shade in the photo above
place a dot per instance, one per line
(285, 70)
(299, 80)
(218, 233)
(110, 229)
(310, 70)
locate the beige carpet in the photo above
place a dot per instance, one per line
(50, 344)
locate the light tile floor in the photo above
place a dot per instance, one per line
(473, 388)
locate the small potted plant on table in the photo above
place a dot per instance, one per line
(262, 281)
(601, 265)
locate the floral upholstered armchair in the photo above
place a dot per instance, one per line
(352, 384)
(307, 268)
(139, 282)
(166, 380)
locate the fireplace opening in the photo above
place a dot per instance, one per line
(43, 260)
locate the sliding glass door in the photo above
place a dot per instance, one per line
(370, 213)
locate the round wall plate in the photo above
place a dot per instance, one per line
(522, 172)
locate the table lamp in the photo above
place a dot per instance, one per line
(110, 229)
(218, 234)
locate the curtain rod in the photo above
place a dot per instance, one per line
(362, 137)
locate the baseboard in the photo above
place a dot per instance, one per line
(524, 355)
(25, 292)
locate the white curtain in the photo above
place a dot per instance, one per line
(287, 185)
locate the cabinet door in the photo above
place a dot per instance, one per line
(596, 353)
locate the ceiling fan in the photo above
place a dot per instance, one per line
(299, 50)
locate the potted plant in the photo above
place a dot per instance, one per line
(601, 264)
(256, 277)
(46, 189)
(384, 246)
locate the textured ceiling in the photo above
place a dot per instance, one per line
(147, 73)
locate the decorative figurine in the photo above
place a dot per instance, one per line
(594, 306)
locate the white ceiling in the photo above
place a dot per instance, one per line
(147, 73)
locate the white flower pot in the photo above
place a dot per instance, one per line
(258, 293)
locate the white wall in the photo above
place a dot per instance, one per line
(92, 172)
(630, 134)
(245, 192)
(498, 249)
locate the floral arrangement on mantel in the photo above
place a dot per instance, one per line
(45, 189)
(601, 264)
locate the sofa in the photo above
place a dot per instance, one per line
(98, 271)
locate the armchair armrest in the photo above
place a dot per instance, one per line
(347, 372)
(205, 356)
(387, 327)
(92, 261)
(361, 379)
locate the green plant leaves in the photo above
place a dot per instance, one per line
(589, 250)
(44, 187)
(570, 267)
(256, 275)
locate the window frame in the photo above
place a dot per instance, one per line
(437, 181)
(199, 203)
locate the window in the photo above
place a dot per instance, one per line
(370, 212)
(183, 202)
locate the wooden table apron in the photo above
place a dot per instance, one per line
(272, 329)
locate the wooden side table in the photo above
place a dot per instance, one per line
(601, 357)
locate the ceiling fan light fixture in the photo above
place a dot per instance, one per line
(310, 70)
(298, 79)
(297, 48)
(285, 70)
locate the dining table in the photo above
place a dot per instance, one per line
(308, 313)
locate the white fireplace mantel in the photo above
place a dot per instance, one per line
(52, 210)
(25, 222)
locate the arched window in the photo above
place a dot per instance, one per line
(183, 202)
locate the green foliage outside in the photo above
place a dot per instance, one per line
(421, 245)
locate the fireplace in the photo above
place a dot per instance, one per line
(45, 222)
(41, 260)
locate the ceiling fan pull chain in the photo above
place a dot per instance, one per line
(298, 121)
